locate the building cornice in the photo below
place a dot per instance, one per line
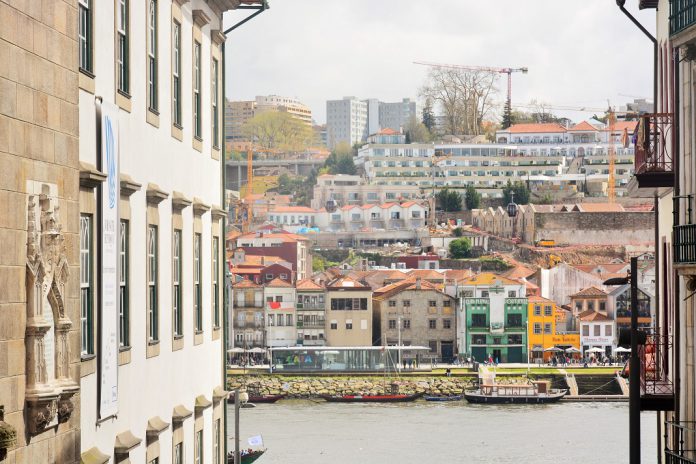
(128, 185)
(90, 177)
(155, 195)
(179, 201)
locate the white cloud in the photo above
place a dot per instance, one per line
(579, 52)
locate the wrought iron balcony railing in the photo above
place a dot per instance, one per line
(656, 386)
(682, 15)
(684, 235)
(653, 159)
(680, 442)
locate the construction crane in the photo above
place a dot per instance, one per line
(490, 69)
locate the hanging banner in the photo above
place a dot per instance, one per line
(110, 232)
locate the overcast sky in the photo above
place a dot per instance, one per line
(579, 52)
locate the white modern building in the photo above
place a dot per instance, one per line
(151, 231)
(346, 121)
(597, 332)
(280, 313)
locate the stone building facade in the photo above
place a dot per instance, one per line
(39, 220)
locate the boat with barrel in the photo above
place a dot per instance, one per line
(531, 393)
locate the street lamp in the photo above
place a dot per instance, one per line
(633, 364)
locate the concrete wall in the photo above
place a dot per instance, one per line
(578, 228)
(38, 148)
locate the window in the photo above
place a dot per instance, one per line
(406, 303)
(123, 327)
(152, 55)
(334, 325)
(85, 35)
(407, 323)
(392, 303)
(608, 330)
(176, 74)
(280, 319)
(392, 324)
(198, 452)
(122, 33)
(216, 442)
(515, 339)
(214, 90)
(447, 323)
(512, 294)
(86, 310)
(537, 310)
(590, 305)
(537, 328)
(177, 297)
(432, 303)
(585, 330)
(288, 320)
(478, 339)
(348, 304)
(547, 328)
(484, 294)
(216, 280)
(197, 271)
(197, 90)
(478, 320)
(447, 303)
(514, 320)
(548, 310)
(432, 344)
(432, 323)
(179, 453)
(152, 311)
(602, 306)
(597, 330)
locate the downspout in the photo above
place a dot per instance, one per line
(223, 178)
(620, 4)
(676, 166)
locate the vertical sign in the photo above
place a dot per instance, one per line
(108, 400)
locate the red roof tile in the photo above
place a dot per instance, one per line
(536, 128)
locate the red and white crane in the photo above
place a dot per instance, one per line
(507, 71)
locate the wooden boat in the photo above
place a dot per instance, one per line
(393, 398)
(259, 398)
(534, 393)
(443, 398)
(246, 458)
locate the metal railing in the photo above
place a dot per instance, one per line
(680, 442)
(654, 366)
(684, 235)
(653, 151)
(682, 15)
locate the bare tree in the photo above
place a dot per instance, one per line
(464, 97)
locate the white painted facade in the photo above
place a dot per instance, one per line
(598, 334)
(155, 376)
(346, 121)
(281, 329)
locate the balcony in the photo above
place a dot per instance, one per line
(684, 235)
(653, 160)
(682, 15)
(680, 442)
(656, 387)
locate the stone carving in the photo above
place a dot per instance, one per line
(49, 388)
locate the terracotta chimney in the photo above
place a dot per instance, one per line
(418, 283)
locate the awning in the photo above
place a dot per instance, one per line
(125, 442)
(155, 426)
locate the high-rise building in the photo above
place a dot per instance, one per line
(151, 236)
(397, 115)
(346, 121)
(237, 113)
(39, 226)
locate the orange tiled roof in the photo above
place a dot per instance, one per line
(293, 209)
(388, 131)
(590, 315)
(284, 236)
(590, 291)
(346, 282)
(403, 285)
(427, 274)
(619, 126)
(519, 272)
(583, 126)
(308, 284)
(246, 283)
(278, 283)
(600, 207)
(407, 204)
(539, 299)
(488, 278)
(536, 128)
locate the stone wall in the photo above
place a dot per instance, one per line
(578, 228)
(39, 167)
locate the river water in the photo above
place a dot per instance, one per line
(308, 432)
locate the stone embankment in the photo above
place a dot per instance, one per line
(312, 387)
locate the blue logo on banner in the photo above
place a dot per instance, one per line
(110, 161)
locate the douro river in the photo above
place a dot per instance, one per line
(309, 432)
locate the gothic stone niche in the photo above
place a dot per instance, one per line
(49, 388)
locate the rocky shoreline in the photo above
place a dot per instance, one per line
(314, 387)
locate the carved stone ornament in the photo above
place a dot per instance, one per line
(49, 387)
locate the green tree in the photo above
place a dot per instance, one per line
(416, 131)
(520, 190)
(449, 200)
(507, 115)
(458, 232)
(278, 130)
(429, 117)
(472, 198)
(340, 161)
(460, 248)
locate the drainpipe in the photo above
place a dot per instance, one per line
(260, 9)
(620, 4)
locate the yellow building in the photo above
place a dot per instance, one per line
(542, 331)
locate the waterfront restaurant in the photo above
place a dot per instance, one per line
(351, 359)
(597, 334)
